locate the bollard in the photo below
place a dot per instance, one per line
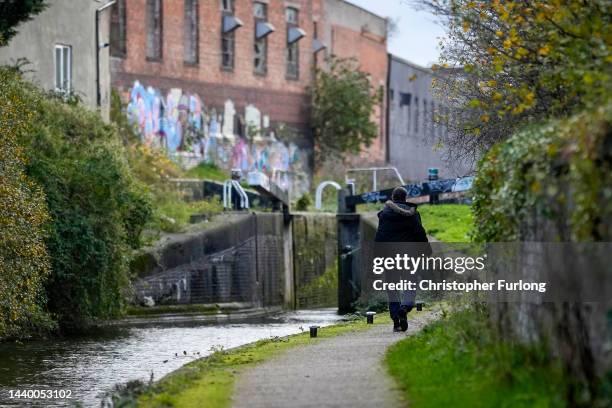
(419, 306)
(313, 331)
(370, 317)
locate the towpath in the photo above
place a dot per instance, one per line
(343, 371)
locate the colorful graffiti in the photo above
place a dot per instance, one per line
(181, 123)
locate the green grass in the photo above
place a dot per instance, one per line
(447, 222)
(172, 213)
(208, 171)
(459, 362)
(211, 379)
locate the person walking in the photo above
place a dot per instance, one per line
(399, 221)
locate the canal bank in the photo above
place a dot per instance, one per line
(299, 369)
(91, 365)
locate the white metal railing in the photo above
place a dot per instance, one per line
(227, 194)
(319, 192)
(375, 171)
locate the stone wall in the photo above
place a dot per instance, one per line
(240, 258)
(255, 259)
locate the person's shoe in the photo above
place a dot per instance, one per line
(403, 318)
(396, 325)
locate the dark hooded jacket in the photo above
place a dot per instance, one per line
(400, 222)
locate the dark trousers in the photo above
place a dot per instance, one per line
(396, 300)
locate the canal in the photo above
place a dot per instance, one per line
(89, 366)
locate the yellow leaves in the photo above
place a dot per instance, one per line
(507, 43)
(484, 118)
(497, 96)
(535, 187)
(499, 33)
(521, 52)
(465, 26)
(491, 51)
(544, 50)
(529, 98)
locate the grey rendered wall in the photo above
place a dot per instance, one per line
(67, 22)
(412, 134)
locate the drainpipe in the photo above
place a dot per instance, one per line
(98, 48)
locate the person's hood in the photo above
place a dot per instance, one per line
(402, 209)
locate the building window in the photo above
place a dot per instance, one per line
(154, 29)
(416, 114)
(228, 38)
(260, 62)
(63, 68)
(227, 6)
(191, 34)
(425, 117)
(293, 49)
(117, 29)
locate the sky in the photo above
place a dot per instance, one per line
(416, 38)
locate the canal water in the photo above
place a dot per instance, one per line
(89, 366)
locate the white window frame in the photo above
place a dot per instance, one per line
(65, 75)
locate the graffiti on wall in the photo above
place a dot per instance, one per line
(181, 123)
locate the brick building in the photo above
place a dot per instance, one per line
(228, 80)
(352, 32)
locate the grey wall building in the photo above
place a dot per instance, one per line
(60, 44)
(413, 132)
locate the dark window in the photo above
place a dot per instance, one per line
(260, 61)
(416, 114)
(117, 29)
(227, 6)
(432, 119)
(154, 29)
(228, 39)
(425, 117)
(293, 49)
(191, 34)
(405, 99)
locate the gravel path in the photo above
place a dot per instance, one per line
(343, 371)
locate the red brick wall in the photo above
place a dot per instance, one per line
(285, 100)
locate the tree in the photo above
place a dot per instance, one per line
(343, 102)
(24, 260)
(522, 61)
(14, 12)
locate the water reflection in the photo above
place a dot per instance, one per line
(91, 365)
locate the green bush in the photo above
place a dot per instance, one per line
(303, 203)
(97, 209)
(546, 170)
(24, 261)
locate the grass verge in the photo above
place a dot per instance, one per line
(459, 361)
(211, 379)
(208, 171)
(447, 222)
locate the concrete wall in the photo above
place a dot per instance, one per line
(413, 134)
(240, 258)
(72, 23)
(254, 259)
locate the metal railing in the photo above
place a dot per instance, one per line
(227, 194)
(375, 171)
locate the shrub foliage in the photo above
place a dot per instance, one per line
(24, 262)
(545, 170)
(97, 209)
